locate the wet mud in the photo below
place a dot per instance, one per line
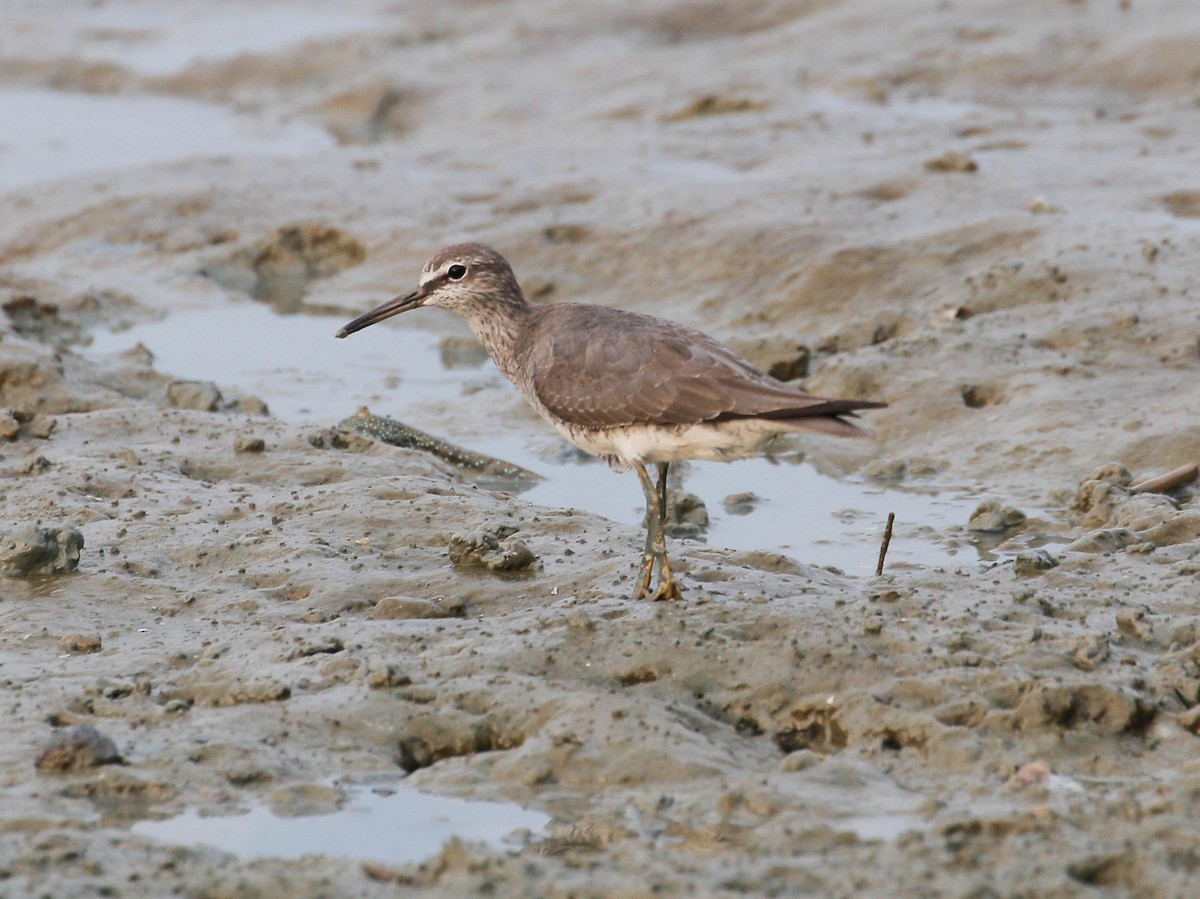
(982, 214)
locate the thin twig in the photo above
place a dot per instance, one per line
(887, 539)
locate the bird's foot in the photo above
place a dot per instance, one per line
(668, 591)
(645, 576)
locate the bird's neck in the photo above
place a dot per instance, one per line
(499, 328)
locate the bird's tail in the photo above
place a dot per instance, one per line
(829, 417)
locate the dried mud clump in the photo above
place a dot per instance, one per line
(205, 396)
(401, 608)
(990, 517)
(431, 739)
(279, 269)
(714, 105)
(493, 551)
(369, 113)
(27, 550)
(1117, 513)
(31, 317)
(77, 748)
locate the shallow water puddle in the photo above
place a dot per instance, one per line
(396, 825)
(305, 374)
(61, 135)
(165, 38)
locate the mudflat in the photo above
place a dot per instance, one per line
(984, 214)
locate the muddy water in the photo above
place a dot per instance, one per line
(395, 824)
(305, 375)
(162, 40)
(983, 213)
(65, 134)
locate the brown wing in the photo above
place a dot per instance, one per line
(600, 367)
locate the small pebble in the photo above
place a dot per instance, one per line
(741, 503)
(200, 395)
(250, 405)
(387, 675)
(1033, 561)
(990, 517)
(79, 643)
(76, 748)
(1133, 623)
(1190, 720)
(800, 760)
(952, 161)
(1090, 651)
(248, 444)
(480, 549)
(9, 426)
(400, 608)
(579, 620)
(686, 515)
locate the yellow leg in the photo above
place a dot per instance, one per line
(656, 540)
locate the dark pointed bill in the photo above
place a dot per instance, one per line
(400, 304)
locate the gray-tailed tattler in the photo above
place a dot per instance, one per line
(629, 388)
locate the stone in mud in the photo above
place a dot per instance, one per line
(27, 550)
(120, 793)
(369, 113)
(990, 517)
(461, 352)
(339, 439)
(741, 503)
(793, 368)
(15, 423)
(714, 105)
(248, 404)
(430, 738)
(1105, 540)
(283, 265)
(1180, 528)
(76, 748)
(579, 620)
(1143, 511)
(1032, 562)
(686, 515)
(387, 674)
(1100, 494)
(79, 643)
(952, 161)
(1190, 720)
(37, 425)
(247, 444)
(202, 396)
(36, 465)
(481, 549)
(800, 760)
(1134, 623)
(1090, 651)
(39, 320)
(302, 800)
(260, 691)
(223, 693)
(10, 427)
(396, 608)
(304, 649)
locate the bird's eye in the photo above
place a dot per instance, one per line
(456, 272)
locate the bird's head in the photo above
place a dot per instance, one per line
(465, 278)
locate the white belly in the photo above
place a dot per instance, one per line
(722, 442)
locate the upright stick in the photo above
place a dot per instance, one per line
(887, 538)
